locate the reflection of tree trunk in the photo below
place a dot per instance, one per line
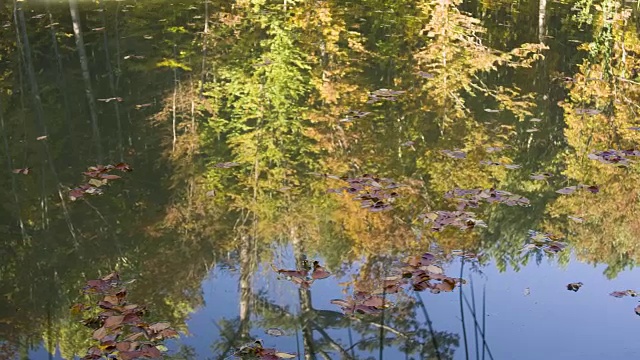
(542, 28)
(86, 76)
(60, 78)
(112, 82)
(246, 272)
(25, 48)
(14, 186)
(305, 299)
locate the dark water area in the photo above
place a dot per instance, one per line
(365, 179)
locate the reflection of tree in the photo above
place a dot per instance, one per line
(600, 108)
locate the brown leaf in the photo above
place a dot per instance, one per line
(123, 346)
(24, 171)
(100, 333)
(157, 327)
(129, 355)
(113, 321)
(319, 272)
(169, 333)
(151, 352)
(110, 176)
(567, 190)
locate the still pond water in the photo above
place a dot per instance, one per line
(464, 174)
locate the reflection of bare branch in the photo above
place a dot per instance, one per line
(324, 354)
(333, 343)
(386, 327)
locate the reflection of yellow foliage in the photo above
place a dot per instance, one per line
(600, 108)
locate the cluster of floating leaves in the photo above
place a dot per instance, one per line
(463, 220)
(374, 193)
(257, 350)
(631, 293)
(544, 241)
(419, 273)
(615, 157)
(384, 95)
(594, 189)
(98, 176)
(473, 197)
(119, 327)
(361, 302)
(306, 275)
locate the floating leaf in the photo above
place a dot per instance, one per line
(577, 219)
(619, 294)
(425, 75)
(274, 332)
(540, 176)
(590, 112)
(456, 154)
(574, 286)
(567, 190)
(284, 355)
(24, 171)
(157, 327)
(113, 321)
(319, 272)
(226, 165)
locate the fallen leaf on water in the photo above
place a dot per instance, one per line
(284, 355)
(540, 176)
(577, 219)
(567, 190)
(274, 332)
(157, 327)
(574, 286)
(118, 99)
(226, 165)
(113, 321)
(456, 154)
(100, 333)
(582, 111)
(594, 189)
(24, 171)
(319, 272)
(110, 176)
(619, 294)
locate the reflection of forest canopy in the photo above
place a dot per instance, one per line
(264, 84)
